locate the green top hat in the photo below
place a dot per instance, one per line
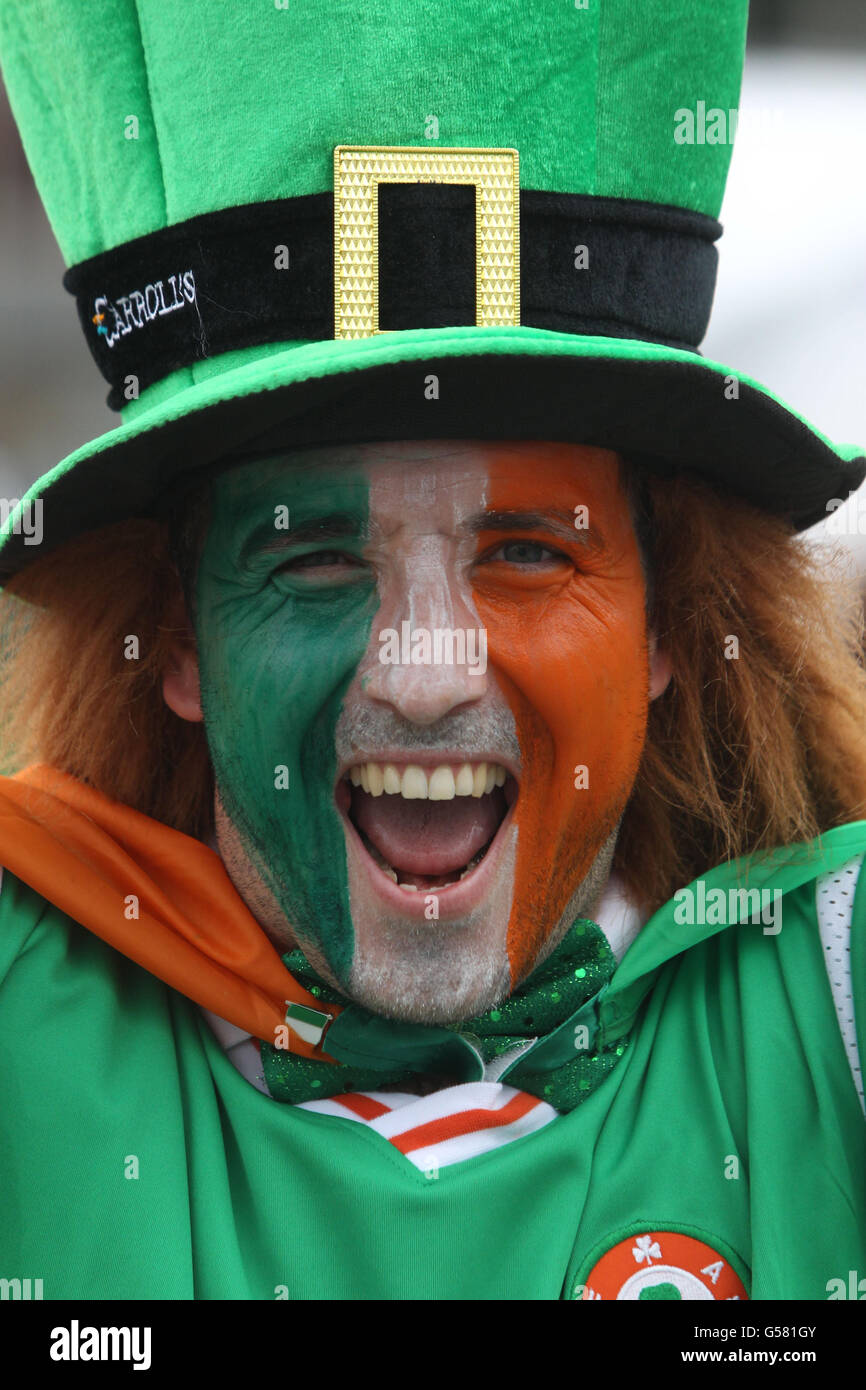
(289, 223)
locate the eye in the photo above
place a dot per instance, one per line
(316, 559)
(526, 553)
(327, 566)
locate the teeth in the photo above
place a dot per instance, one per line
(416, 783)
(465, 781)
(414, 787)
(473, 863)
(392, 779)
(441, 786)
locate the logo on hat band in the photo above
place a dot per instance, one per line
(140, 307)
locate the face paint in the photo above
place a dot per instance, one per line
(293, 676)
(568, 637)
(435, 953)
(277, 650)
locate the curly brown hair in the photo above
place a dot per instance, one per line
(755, 743)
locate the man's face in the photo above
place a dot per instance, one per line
(424, 675)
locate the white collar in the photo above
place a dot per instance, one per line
(617, 915)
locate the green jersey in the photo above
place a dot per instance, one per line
(724, 1156)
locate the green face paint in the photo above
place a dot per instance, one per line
(277, 649)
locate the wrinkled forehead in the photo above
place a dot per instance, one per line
(424, 484)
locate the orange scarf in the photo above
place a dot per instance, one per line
(93, 857)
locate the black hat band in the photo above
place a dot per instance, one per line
(264, 273)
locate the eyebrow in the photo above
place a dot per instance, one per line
(556, 522)
(336, 526)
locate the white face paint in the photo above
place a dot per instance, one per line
(431, 954)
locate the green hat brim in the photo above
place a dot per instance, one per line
(666, 409)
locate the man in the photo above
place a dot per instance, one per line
(437, 767)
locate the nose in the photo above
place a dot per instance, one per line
(427, 654)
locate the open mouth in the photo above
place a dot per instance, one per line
(427, 827)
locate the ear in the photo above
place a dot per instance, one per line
(660, 667)
(180, 684)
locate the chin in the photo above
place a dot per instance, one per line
(428, 987)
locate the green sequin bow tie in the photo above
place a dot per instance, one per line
(548, 1027)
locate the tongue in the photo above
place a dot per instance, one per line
(428, 837)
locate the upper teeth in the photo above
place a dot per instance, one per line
(440, 783)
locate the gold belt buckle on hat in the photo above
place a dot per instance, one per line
(358, 171)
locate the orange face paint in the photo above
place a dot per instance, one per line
(568, 641)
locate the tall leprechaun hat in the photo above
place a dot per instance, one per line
(289, 223)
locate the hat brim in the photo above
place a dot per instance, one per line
(663, 408)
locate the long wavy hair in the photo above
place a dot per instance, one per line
(759, 740)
